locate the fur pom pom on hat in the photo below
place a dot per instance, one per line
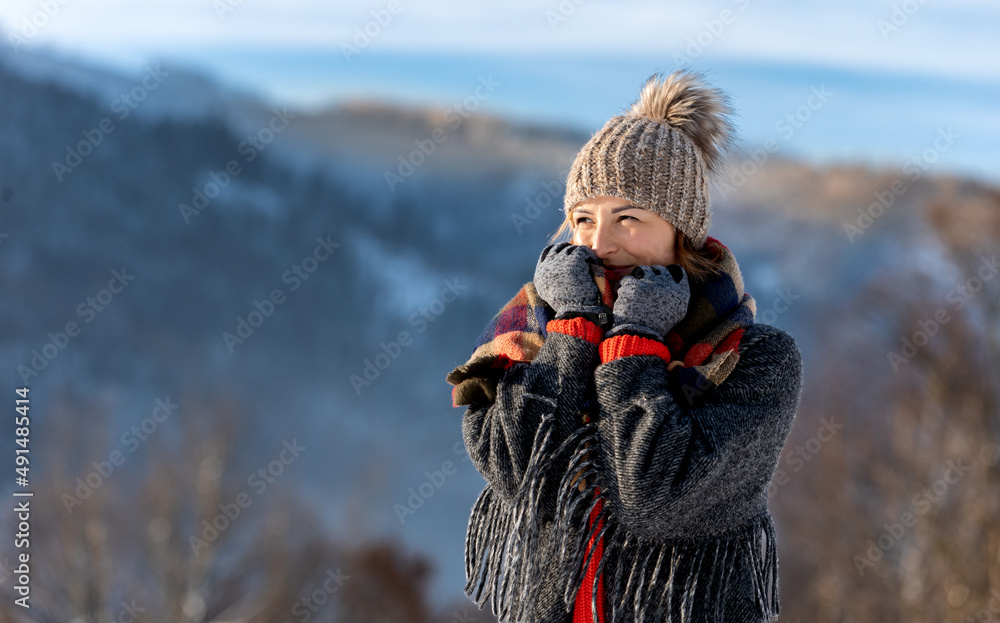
(659, 154)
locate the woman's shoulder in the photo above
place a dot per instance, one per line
(767, 354)
(768, 338)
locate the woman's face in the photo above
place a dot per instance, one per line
(622, 235)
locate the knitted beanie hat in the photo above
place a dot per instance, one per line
(658, 155)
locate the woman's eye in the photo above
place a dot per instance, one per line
(586, 218)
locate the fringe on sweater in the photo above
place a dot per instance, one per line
(645, 580)
(502, 561)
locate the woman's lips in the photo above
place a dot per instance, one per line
(619, 271)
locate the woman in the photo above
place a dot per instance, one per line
(624, 407)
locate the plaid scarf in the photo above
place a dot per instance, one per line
(704, 344)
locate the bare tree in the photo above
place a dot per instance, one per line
(167, 537)
(896, 518)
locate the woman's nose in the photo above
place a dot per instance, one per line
(602, 242)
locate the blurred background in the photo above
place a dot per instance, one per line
(242, 242)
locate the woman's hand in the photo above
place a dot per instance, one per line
(651, 300)
(563, 279)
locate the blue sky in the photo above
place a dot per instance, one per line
(953, 38)
(900, 72)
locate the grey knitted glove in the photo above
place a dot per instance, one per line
(651, 300)
(563, 280)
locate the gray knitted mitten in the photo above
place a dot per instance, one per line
(563, 279)
(651, 300)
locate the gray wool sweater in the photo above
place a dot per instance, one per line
(686, 531)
